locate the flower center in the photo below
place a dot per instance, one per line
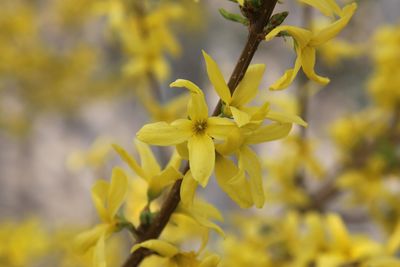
(199, 127)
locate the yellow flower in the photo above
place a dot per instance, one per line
(244, 93)
(307, 41)
(150, 170)
(107, 199)
(199, 131)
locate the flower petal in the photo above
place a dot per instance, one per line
(233, 182)
(130, 161)
(164, 134)
(161, 247)
(248, 87)
(289, 75)
(148, 161)
(285, 118)
(241, 117)
(201, 157)
(188, 189)
(249, 161)
(327, 7)
(219, 128)
(162, 180)
(330, 31)
(117, 191)
(216, 78)
(86, 240)
(302, 36)
(308, 63)
(99, 253)
(269, 133)
(99, 198)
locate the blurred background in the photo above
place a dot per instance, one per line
(67, 91)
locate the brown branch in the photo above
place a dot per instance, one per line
(256, 28)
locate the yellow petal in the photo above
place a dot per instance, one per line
(289, 76)
(393, 243)
(285, 118)
(220, 128)
(210, 261)
(330, 31)
(269, 133)
(99, 198)
(164, 134)
(188, 189)
(130, 161)
(167, 177)
(216, 78)
(308, 63)
(193, 88)
(206, 223)
(248, 87)
(182, 150)
(117, 191)
(302, 36)
(233, 182)
(338, 231)
(241, 118)
(231, 144)
(99, 253)
(197, 108)
(327, 7)
(175, 160)
(207, 210)
(249, 161)
(148, 161)
(201, 158)
(161, 247)
(86, 240)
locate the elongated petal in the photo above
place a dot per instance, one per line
(86, 240)
(175, 160)
(130, 161)
(117, 192)
(201, 158)
(193, 88)
(164, 134)
(183, 150)
(99, 198)
(197, 107)
(162, 180)
(269, 133)
(302, 36)
(393, 243)
(241, 118)
(338, 231)
(219, 128)
(231, 144)
(206, 209)
(308, 63)
(327, 7)
(161, 247)
(289, 76)
(330, 31)
(99, 253)
(206, 223)
(216, 78)
(210, 261)
(188, 189)
(249, 161)
(285, 118)
(149, 163)
(233, 182)
(248, 87)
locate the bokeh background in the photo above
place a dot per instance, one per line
(63, 93)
